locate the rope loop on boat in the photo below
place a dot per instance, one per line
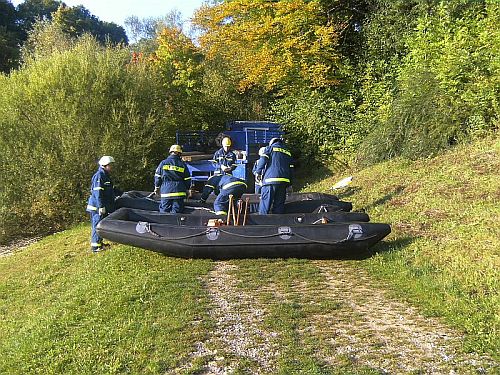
(348, 238)
(248, 236)
(145, 227)
(286, 233)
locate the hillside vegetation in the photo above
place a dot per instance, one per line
(358, 80)
(130, 310)
(444, 250)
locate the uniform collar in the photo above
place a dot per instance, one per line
(103, 170)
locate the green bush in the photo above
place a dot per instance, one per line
(68, 105)
(318, 125)
(444, 91)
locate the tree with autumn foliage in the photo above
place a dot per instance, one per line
(200, 93)
(275, 45)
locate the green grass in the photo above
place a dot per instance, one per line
(444, 251)
(65, 310)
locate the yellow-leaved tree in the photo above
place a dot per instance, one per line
(272, 44)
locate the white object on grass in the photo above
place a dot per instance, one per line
(342, 183)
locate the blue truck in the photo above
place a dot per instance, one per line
(247, 137)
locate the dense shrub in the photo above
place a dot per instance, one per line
(58, 114)
(444, 90)
(318, 125)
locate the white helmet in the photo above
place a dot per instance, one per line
(105, 160)
(273, 140)
(261, 151)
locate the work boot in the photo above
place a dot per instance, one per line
(98, 249)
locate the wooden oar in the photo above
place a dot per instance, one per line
(240, 209)
(234, 214)
(229, 209)
(246, 210)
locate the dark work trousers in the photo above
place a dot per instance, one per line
(173, 206)
(221, 203)
(95, 240)
(272, 199)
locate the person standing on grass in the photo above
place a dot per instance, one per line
(172, 181)
(102, 200)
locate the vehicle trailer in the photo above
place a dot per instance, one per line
(247, 138)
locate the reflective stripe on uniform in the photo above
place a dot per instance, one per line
(227, 186)
(91, 208)
(169, 195)
(98, 188)
(277, 179)
(221, 213)
(279, 149)
(210, 186)
(267, 156)
(187, 178)
(95, 244)
(157, 175)
(174, 168)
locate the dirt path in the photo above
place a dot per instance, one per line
(378, 332)
(6, 250)
(368, 330)
(237, 337)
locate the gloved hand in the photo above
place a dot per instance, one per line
(156, 191)
(225, 168)
(258, 178)
(102, 211)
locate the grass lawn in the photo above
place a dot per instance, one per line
(65, 310)
(444, 250)
(127, 310)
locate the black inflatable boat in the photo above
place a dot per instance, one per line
(303, 235)
(295, 202)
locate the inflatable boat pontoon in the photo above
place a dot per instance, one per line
(295, 202)
(303, 235)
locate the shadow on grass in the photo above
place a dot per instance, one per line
(385, 198)
(347, 192)
(310, 174)
(396, 244)
(382, 247)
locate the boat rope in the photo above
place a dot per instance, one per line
(348, 238)
(150, 231)
(332, 242)
(200, 208)
(248, 236)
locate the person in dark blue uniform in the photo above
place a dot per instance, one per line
(258, 178)
(223, 186)
(172, 181)
(275, 166)
(224, 158)
(102, 199)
